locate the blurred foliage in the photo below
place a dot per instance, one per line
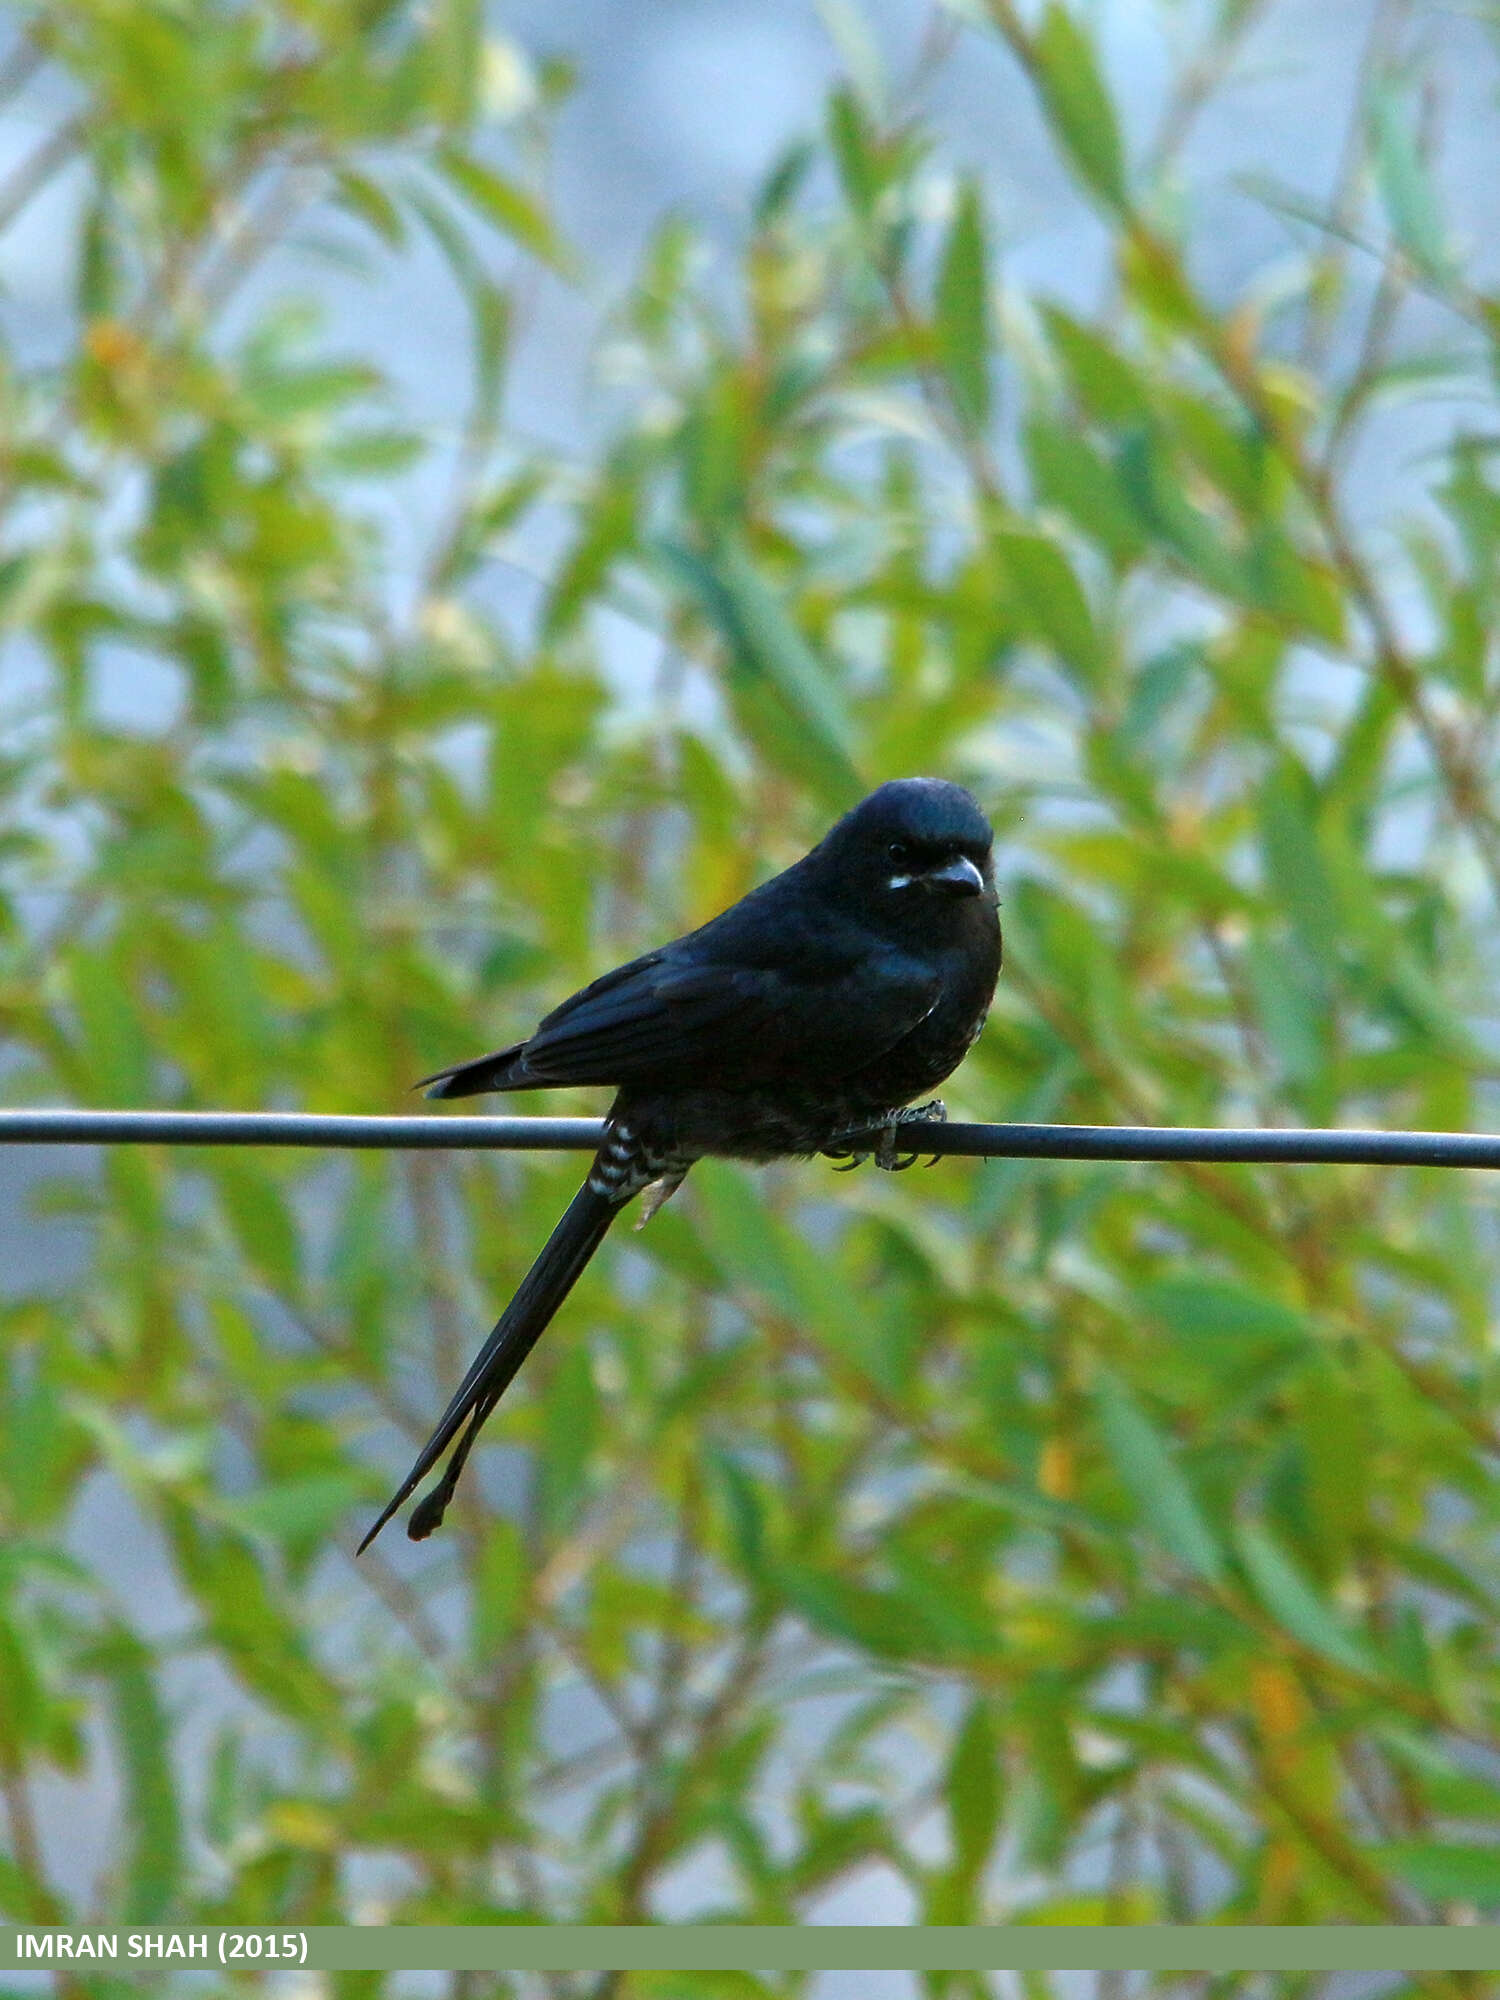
(1069, 1542)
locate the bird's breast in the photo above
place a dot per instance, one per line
(799, 1114)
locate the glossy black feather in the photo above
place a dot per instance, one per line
(554, 1274)
(681, 1012)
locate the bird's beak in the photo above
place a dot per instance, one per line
(958, 877)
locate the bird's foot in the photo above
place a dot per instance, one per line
(887, 1155)
(885, 1152)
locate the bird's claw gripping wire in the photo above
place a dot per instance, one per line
(886, 1155)
(884, 1151)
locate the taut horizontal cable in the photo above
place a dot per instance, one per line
(296, 1128)
(581, 1135)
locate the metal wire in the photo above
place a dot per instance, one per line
(582, 1135)
(295, 1128)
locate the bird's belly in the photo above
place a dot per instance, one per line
(689, 1125)
(770, 1122)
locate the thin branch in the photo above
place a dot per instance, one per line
(34, 172)
(400, 1600)
(19, 67)
(1198, 83)
(1385, 27)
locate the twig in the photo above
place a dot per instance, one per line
(38, 167)
(399, 1599)
(1385, 26)
(19, 67)
(1197, 84)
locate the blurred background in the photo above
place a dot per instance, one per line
(481, 489)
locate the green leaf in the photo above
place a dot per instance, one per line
(744, 1507)
(154, 1855)
(1079, 104)
(491, 308)
(888, 1623)
(1069, 474)
(499, 1589)
(373, 454)
(99, 275)
(1105, 385)
(260, 1217)
(1294, 861)
(854, 151)
(23, 1720)
(974, 1790)
(1199, 1309)
(246, 1618)
(1406, 186)
(607, 528)
(364, 197)
(301, 1510)
(1291, 1006)
(1296, 1606)
(1446, 1871)
(283, 389)
(1446, 1784)
(509, 208)
(835, 1842)
(769, 657)
(1051, 597)
(115, 1048)
(963, 319)
(36, 1449)
(1155, 1482)
(453, 48)
(570, 1420)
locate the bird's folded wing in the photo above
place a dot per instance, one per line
(660, 1021)
(467, 1079)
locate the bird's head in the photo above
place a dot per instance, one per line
(913, 848)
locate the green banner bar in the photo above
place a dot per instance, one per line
(808, 1948)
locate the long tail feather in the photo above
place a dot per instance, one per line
(568, 1249)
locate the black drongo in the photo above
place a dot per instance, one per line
(810, 1013)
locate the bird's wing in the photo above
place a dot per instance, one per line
(466, 1079)
(667, 1018)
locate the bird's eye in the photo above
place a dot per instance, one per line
(899, 852)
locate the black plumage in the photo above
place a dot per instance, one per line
(814, 1010)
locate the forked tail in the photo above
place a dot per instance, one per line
(572, 1243)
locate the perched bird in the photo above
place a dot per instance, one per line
(803, 1020)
